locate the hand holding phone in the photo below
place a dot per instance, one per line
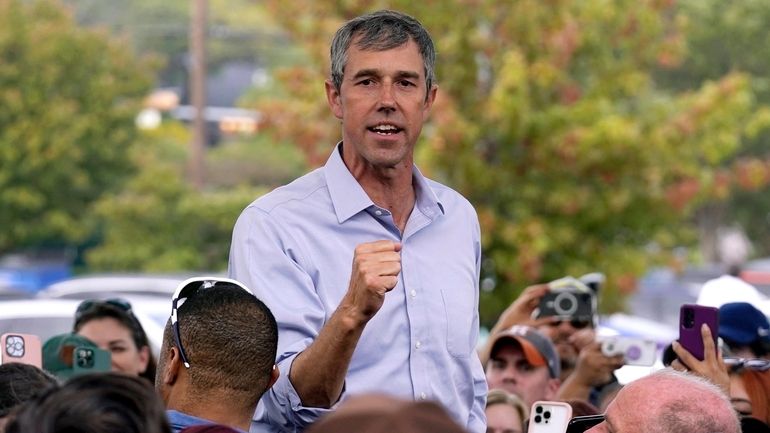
(635, 350)
(691, 318)
(22, 348)
(549, 417)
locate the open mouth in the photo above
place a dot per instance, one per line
(385, 129)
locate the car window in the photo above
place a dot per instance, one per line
(43, 327)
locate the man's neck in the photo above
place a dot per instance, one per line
(214, 409)
(396, 194)
(390, 188)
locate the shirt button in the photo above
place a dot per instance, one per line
(378, 212)
(413, 293)
(423, 396)
(418, 345)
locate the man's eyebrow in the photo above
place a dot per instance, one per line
(376, 73)
(366, 73)
(408, 74)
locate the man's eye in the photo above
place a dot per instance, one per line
(366, 82)
(406, 83)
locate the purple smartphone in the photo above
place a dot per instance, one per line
(691, 317)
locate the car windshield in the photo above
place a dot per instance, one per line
(44, 328)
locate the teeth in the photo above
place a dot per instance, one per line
(384, 129)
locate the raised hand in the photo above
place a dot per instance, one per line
(376, 266)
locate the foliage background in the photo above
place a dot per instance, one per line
(592, 135)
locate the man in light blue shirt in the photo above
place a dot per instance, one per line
(404, 320)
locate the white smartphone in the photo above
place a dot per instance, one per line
(549, 417)
(635, 350)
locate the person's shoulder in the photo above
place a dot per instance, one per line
(448, 197)
(297, 191)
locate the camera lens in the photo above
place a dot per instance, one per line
(565, 304)
(689, 318)
(547, 415)
(538, 419)
(85, 358)
(539, 409)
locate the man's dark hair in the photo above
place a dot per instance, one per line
(20, 383)
(94, 403)
(230, 338)
(380, 31)
(101, 310)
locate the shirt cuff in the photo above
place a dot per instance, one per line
(285, 395)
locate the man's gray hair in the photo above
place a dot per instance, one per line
(688, 414)
(380, 31)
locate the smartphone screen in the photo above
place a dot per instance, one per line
(22, 348)
(580, 424)
(691, 317)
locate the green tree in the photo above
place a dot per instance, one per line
(159, 223)
(548, 119)
(68, 98)
(722, 38)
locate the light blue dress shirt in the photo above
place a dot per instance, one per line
(294, 247)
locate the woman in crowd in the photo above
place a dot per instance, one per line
(112, 326)
(505, 412)
(750, 393)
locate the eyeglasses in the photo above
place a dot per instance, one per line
(89, 304)
(186, 290)
(736, 364)
(576, 323)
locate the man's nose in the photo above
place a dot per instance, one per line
(510, 374)
(387, 98)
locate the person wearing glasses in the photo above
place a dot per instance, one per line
(112, 326)
(218, 354)
(586, 374)
(404, 319)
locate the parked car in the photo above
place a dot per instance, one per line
(100, 286)
(48, 317)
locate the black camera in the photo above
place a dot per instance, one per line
(567, 304)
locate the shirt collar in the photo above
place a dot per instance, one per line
(349, 198)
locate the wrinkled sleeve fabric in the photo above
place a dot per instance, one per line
(477, 421)
(267, 259)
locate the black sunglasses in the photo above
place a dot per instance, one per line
(90, 304)
(576, 323)
(737, 364)
(186, 290)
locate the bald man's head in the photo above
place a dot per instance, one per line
(670, 402)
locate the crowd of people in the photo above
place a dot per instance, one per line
(352, 305)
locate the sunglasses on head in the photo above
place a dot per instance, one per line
(737, 364)
(90, 304)
(187, 289)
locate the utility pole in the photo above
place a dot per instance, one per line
(196, 168)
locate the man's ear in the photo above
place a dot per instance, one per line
(552, 389)
(334, 99)
(274, 374)
(172, 365)
(430, 98)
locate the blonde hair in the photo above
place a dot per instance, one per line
(499, 396)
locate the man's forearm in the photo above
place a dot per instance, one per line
(318, 373)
